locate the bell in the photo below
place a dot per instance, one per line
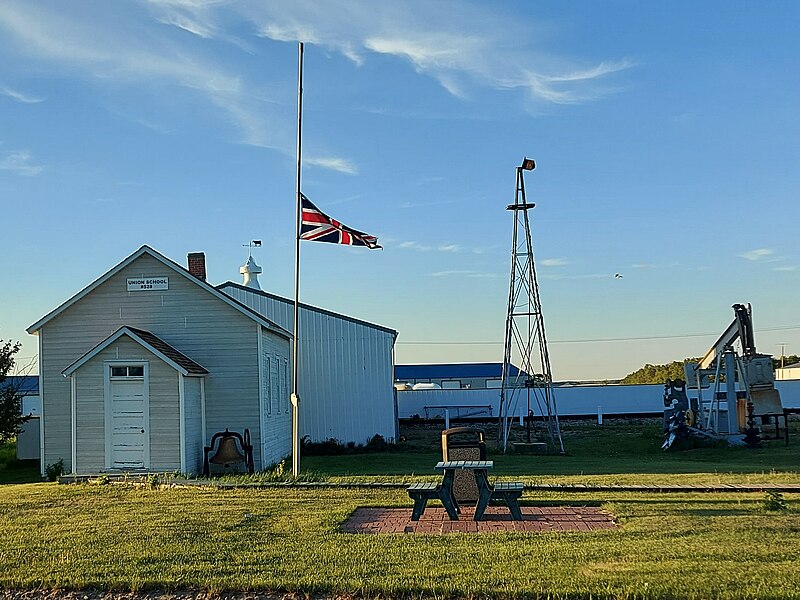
(227, 453)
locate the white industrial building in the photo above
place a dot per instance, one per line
(788, 372)
(140, 368)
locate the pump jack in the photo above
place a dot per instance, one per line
(723, 415)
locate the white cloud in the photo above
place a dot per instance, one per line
(464, 47)
(19, 162)
(426, 204)
(554, 262)
(757, 254)
(342, 165)
(415, 246)
(452, 273)
(785, 268)
(20, 97)
(585, 276)
(461, 46)
(137, 56)
(411, 245)
(466, 273)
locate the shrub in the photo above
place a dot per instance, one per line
(774, 501)
(330, 447)
(377, 443)
(333, 447)
(55, 470)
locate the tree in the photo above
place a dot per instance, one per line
(658, 373)
(674, 370)
(787, 360)
(11, 419)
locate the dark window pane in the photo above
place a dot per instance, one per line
(136, 371)
(119, 371)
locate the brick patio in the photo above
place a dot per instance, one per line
(496, 519)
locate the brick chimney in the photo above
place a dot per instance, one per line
(197, 265)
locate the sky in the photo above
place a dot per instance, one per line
(665, 136)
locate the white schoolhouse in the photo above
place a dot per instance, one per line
(140, 368)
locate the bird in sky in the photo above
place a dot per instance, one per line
(617, 276)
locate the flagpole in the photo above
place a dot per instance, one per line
(295, 398)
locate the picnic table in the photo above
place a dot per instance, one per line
(422, 492)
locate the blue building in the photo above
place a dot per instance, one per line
(454, 375)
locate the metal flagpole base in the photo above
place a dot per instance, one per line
(295, 399)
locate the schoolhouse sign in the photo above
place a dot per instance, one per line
(140, 284)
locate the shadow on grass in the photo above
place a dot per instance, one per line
(20, 471)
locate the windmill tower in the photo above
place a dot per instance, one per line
(526, 391)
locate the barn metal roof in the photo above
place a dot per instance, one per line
(231, 284)
(452, 371)
(27, 385)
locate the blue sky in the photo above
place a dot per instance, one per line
(665, 134)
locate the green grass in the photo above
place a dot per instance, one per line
(125, 538)
(120, 537)
(16, 471)
(619, 452)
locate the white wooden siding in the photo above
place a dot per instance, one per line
(193, 423)
(214, 334)
(163, 424)
(277, 419)
(346, 386)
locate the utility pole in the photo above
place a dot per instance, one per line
(783, 352)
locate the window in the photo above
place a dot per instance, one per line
(267, 383)
(452, 384)
(286, 394)
(274, 398)
(127, 371)
(494, 383)
(281, 384)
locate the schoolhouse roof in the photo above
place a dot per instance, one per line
(176, 359)
(245, 310)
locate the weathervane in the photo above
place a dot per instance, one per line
(252, 244)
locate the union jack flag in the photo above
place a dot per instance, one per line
(316, 226)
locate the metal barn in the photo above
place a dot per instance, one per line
(346, 368)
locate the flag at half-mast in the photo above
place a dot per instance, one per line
(316, 226)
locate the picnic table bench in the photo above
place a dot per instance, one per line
(422, 492)
(508, 492)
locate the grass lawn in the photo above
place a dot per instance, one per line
(619, 452)
(669, 546)
(17, 471)
(287, 539)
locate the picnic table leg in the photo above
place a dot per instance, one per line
(419, 507)
(446, 495)
(513, 506)
(484, 493)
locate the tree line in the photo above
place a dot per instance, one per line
(674, 370)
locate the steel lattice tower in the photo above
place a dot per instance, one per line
(525, 340)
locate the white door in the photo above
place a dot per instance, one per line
(128, 418)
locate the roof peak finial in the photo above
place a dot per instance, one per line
(250, 270)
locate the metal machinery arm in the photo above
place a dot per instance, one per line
(740, 328)
(751, 370)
